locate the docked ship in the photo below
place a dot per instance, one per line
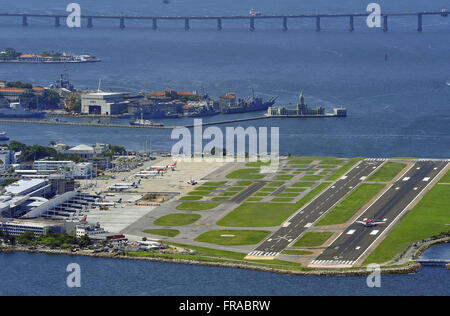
(254, 12)
(231, 105)
(3, 136)
(142, 122)
(15, 110)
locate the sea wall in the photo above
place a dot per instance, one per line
(411, 268)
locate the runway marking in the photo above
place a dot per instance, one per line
(426, 179)
(330, 263)
(363, 178)
(374, 232)
(308, 225)
(344, 177)
(286, 224)
(263, 254)
(406, 178)
(351, 231)
(357, 248)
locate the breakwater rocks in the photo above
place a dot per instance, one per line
(411, 268)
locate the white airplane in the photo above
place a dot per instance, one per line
(370, 222)
(158, 167)
(107, 203)
(146, 175)
(123, 186)
(192, 181)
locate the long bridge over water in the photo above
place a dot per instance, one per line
(219, 19)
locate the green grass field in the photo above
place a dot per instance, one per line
(387, 172)
(258, 215)
(313, 239)
(196, 206)
(249, 173)
(233, 237)
(220, 198)
(428, 218)
(177, 219)
(163, 232)
(351, 204)
(266, 214)
(190, 198)
(445, 178)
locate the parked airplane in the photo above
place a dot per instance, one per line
(172, 166)
(158, 167)
(370, 222)
(107, 203)
(192, 181)
(123, 186)
(146, 174)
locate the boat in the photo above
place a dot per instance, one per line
(444, 12)
(142, 122)
(17, 111)
(3, 136)
(251, 104)
(254, 12)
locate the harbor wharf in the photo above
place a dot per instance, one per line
(252, 19)
(18, 121)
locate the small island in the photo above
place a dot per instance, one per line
(10, 55)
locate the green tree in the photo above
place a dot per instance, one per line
(26, 238)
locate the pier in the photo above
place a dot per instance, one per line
(121, 19)
(46, 122)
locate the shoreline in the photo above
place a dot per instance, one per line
(410, 268)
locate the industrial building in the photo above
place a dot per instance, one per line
(67, 206)
(104, 103)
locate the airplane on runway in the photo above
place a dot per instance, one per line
(370, 222)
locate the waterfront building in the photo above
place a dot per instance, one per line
(18, 227)
(303, 110)
(53, 165)
(31, 58)
(104, 103)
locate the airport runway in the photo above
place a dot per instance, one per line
(305, 217)
(357, 239)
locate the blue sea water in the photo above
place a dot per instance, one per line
(41, 274)
(396, 108)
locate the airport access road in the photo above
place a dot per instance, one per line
(357, 239)
(306, 216)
